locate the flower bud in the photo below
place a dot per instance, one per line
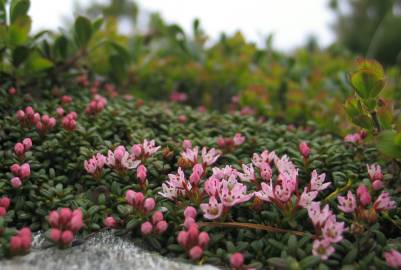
(138, 199)
(203, 239)
(15, 169)
(76, 223)
(146, 228)
(161, 226)
(5, 202)
(182, 238)
(55, 235)
(60, 111)
(377, 184)
(20, 115)
(236, 260)
(157, 216)
(190, 212)
(15, 244)
(136, 150)
(141, 173)
(67, 237)
(53, 218)
(188, 222)
(25, 171)
(27, 142)
(65, 215)
(110, 222)
(304, 149)
(16, 182)
(19, 149)
(130, 196)
(196, 253)
(149, 204)
(12, 91)
(186, 144)
(3, 211)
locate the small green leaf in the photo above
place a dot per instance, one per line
(83, 31)
(37, 63)
(18, 9)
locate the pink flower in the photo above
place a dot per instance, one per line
(203, 239)
(95, 164)
(323, 249)
(149, 204)
(157, 216)
(191, 154)
(221, 142)
(347, 204)
(25, 171)
(188, 222)
(375, 172)
(238, 139)
(307, 198)
(66, 99)
(27, 142)
(384, 202)
(190, 212)
(237, 260)
(363, 195)
(53, 218)
(110, 222)
(59, 111)
(15, 244)
(141, 173)
(213, 209)
(333, 230)
(65, 215)
(209, 157)
(317, 215)
(393, 258)
(197, 172)
(121, 160)
(16, 182)
(182, 238)
(377, 185)
(186, 144)
(266, 171)
(55, 235)
(146, 228)
(136, 150)
(196, 253)
(69, 122)
(211, 186)
(177, 96)
(232, 193)
(96, 105)
(76, 223)
(5, 202)
(304, 149)
(176, 186)
(15, 168)
(19, 149)
(149, 147)
(67, 237)
(161, 227)
(249, 173)
(12, 91)
(317, 181)
(353, 138)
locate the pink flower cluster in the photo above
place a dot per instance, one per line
(21, 242)
(69, 121)
(191, 239)
(45, 124)
(96, 105)
(329, 229)
(21, 173)
(349, 204)
(121, 160)
(66, 99)
(21, 147)
(393, 258)
(64, 223)
(139, 203)
(95, 164)
(376, 176)
(177, 96)
(229, 143)
(4, 204)
(28, 117)
(356, 137)
(191, 155)
(156, 225)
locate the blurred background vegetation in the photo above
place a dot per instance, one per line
(161, 61)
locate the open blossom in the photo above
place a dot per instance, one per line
(209, 157)
(149, 147)
(176, 186)
(213, 209)
(393, 258)
(353, 138)
(318, 215)
(238, 139)
(384, 202)
(375, 172)
(191, 154)
(266, 171)
(249, 173)
(232, 193)
(307, 198)
(333, 230)
(317, 181)
(95, 164)
(323, 249)
(264, 157)
(347, 204)
(121, 160)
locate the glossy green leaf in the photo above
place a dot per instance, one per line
(83, 31)
(18, 9)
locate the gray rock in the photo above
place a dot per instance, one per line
(99, 252)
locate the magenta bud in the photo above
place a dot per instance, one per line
(157, 216)
(161, 226)
(15, 169)
(67, 237)
(203, 239)
(146, 228)
(190, 212)
(377, 184)
(65, 215)
(19, 149)
(27, 142)
(196, 253)
(136, 150)
(55, 235)
(53, 218)
(110, 222)
(182, 238)
(25, 171)
(186, 144)
(16, 182)
(149, 204)
(20, 115)
(304, 149)
(236, 260)
(130, 196)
